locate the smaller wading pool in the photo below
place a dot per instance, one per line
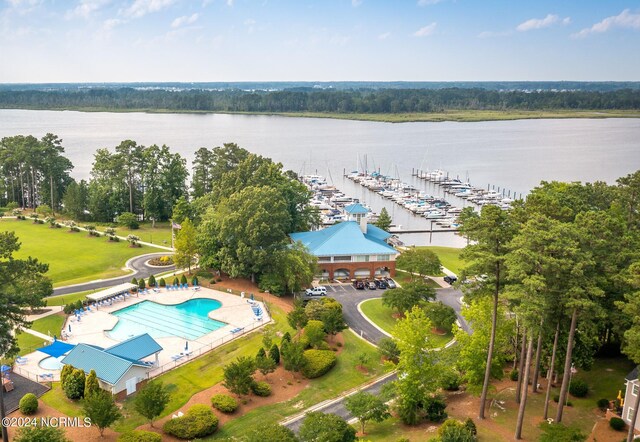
(51, 363)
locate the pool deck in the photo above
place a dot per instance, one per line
(92, 328)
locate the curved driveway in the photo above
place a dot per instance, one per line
(140, 270)
(349, 297)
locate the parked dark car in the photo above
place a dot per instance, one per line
(391, 283)
(371, 285)
(381, 284)
(450, 279)
(359, 285)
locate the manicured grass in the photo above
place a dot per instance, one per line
(56, 398)
(342, 377)
(392, 430)
(160, 234)
(72, 257)
(68, 299)
(28, 343)
(382, 315)
(449, 257)
(51, 324)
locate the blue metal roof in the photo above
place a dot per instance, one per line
(108, 367)
(345, 238)
(356, 209)
(135, 348)
(56, 348)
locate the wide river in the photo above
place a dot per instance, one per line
(512, 155)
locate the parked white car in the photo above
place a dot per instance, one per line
(315, 292)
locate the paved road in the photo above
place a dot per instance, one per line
(337, 406)
(349, 297)
(137, 264)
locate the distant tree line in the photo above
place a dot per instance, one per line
(325, 100)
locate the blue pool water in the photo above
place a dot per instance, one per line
(51, 363)
(188, 320)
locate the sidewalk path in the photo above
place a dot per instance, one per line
(140, 270)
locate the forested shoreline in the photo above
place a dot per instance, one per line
(300, 100)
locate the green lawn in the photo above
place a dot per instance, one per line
(160, 234)
(56, 398)
(68, 299)
(28, 343)
(382, 315)
(72, 257)
(51, 324)
(344, 376)
(449, 257)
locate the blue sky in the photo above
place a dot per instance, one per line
(321, 40)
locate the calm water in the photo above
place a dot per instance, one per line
(188, 320)
(515, 155)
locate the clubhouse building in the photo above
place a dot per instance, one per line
(351, 249)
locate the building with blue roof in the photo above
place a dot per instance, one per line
(119, 368)
(350, 249)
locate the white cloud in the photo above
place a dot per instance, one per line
(184, 20)
(384, 36)
(625, 20)
(426, 30)
(249, 23)
(356, 3)
(86, 8)
(111, 23)
(140, 8)
(428, 2)
(230, 2)
(539, 23)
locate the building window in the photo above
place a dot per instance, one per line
(362, 258)
(342, 259)
(324, 259)
(384, 257)
(629, 414)
(634, 389)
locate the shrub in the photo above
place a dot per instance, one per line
(68, 368)
(261, 389)
(28, 404)
(274, 354)
(434, 409)
(152, 281)
(40, 433)
(453, 430)
(578, 388)
(142, 284)
(556, 398)
(194, 281)
(450, 380)
(471, 426)
(163, 283)
(73, 385)
(199, 421)
(183, 279)
(603, 404)
(261, 353)
(617, 424)
(224, 403)
(514, 375)
(128, 220)
(176, 281)
(318, 362)
(388, 349)
(140, 436)
(286, 337)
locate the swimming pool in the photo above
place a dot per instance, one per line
(51, 363)
(188, 320)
